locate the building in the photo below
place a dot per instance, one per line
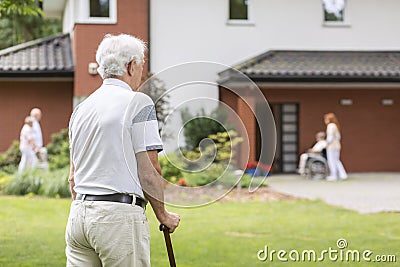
(273, 39)
(362, 88)
(266, 35)
(58, 72)
(36, 74)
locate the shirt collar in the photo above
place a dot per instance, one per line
(116, 82)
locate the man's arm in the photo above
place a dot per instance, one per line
(150, 178)
(33, 145)
(72, 181)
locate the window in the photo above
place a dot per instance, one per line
(96, 11)
(100, 8)
(334, 10)
(238, 10)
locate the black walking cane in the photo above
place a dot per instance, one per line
(168, 243)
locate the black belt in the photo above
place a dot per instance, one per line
(121, 198)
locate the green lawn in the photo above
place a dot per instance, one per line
(222, 234)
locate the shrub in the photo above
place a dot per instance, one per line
(214, 172)
(170, 172)
(246, 181)
(55, 184)
(4, 180)
(221, 151)
(22, 184)
(58, 150)
(37, 182)
(198, 179)
(10, 159)
(225, 144)
(201, 125)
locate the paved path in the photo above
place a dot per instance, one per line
(365, 193)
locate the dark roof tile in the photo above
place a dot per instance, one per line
(321, 65)
(51, 56)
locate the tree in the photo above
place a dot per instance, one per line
(201, 125)
(20, 7)
(23, 20)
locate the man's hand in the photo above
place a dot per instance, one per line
(170, 220)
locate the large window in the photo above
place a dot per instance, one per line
(100, 8)
(238, 10)
(334, 10)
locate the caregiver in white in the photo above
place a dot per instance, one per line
(333, 137)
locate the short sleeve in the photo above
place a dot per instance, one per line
(145, 135)
(319, 146)
(331, 129)
(331, 132)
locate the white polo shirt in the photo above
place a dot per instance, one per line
(105, 131)
(333, 137)
(37, 130)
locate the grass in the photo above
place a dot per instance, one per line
(222, 234)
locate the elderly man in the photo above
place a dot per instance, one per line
(114, 143)
(36, 114)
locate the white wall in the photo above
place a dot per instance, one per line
(191, 30)
(197, 30)
(69, 16)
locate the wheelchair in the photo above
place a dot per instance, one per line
(316, 166)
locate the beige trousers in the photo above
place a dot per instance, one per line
(107, 234)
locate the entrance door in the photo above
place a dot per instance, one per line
(286, 118)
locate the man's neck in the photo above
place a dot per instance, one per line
(125, 78)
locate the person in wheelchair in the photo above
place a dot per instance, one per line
(318, 151)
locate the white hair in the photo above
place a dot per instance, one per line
(116, 51)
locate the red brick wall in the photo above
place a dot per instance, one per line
(243, 111)
(132, 19)
(370, 131)
(18, 98)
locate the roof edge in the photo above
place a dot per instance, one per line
(28, 44)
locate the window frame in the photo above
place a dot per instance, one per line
(249, 21)
(85, 18)
(342, 23)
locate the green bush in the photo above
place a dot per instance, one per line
(10, 159)
(201, 125)
(4, 180)
(55, 184)
(170, 172)
(37, 182)
(214, 172)
(218, 174)
(58, 150)
(198, 179)
(22, 184)
(222, 147)
(246, 181)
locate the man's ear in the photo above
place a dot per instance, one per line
(130, 69)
